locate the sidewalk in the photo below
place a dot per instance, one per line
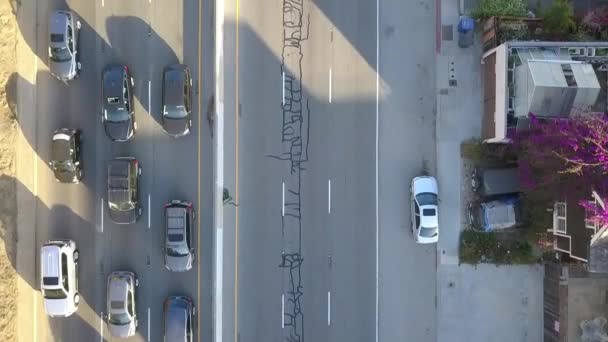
(483, 303)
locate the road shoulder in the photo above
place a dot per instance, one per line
(25, 164)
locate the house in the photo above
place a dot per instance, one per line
(571, 296)
(578, 236)
(549, 79)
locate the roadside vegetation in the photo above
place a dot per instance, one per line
(495, 248)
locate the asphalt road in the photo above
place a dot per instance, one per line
(323, 244)
(145, 35)
(306, 156)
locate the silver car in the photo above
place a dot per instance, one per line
(121, 309)
(179, 247)
(64, 60)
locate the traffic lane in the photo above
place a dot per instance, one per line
(265, 300)
(146, 142)
(352, 127)
(407, 120)
(65, 105)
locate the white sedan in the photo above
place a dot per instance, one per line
(424, 211)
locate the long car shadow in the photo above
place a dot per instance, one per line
(57, 222)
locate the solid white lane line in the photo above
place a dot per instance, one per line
(148, 324)
(329, 85)
(150, 97)
(283, 199)
(149, 222)
(283, 83)
(377, 129)
(101, 214)
(101, 327)
(102, 3)
(328, 308)
(329, 196)
(282, 311)
(35, 322)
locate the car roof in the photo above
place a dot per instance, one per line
(119, 182)
(60, 147)
(176, 312)
(49, 255)
(176, 224)
(113, 87)
(174, 78)
(118, 286)
(58, 23)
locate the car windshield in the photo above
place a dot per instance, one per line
(174, 112)
(54, 294)
(177, 251)
(119, 318)
(65, 166)
(122, 206)
(428, 231)
(60, 54)
(117, 115)
(426, 198)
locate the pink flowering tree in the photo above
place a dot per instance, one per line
(566, 156)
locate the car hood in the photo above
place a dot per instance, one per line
(57, 307)
(176, 127)
(61, 70)
(122, 331)
(124, 217)
(178, 263)
(65, 176)
(119, 131)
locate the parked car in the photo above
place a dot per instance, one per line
(179, 242)
(496, 181)
(117, 100)
(424, 209)
(64, 60)
(121, 303)
(499, 214)
(177, 100)
(179, 314)
(123, 194)
(66, 161)
(59, 278)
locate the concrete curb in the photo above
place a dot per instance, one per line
(218, 172)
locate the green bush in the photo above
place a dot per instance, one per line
(559, 18)
(489, 8)
(479, 247)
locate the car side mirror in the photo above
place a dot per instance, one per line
(77, 163)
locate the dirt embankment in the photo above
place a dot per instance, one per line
(8, 200)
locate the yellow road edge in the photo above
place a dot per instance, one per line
(236, 191)
(198, 204)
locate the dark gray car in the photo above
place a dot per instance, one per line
(117, 100)
(179, 249)
(177, 100)
(180, 313)
(64, 60)
(123, 194)
(65, 160)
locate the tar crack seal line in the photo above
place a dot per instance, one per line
(294, 139)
